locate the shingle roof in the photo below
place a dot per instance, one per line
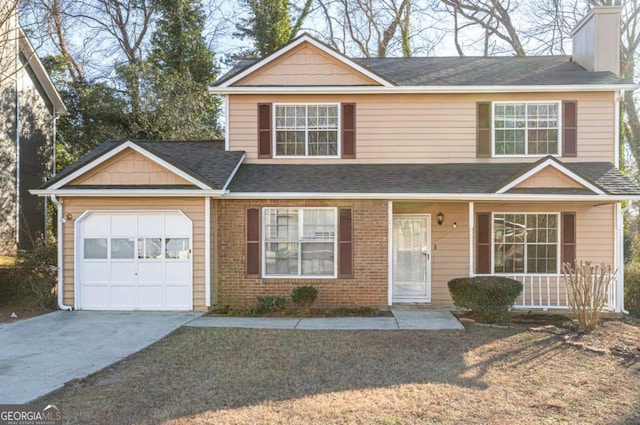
(481, 71)
(407, 178)
(474, 71)
(206, 160)
(210, 163)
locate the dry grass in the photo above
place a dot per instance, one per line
(243, 376)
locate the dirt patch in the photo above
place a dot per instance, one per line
(248, 376)
(619, 337)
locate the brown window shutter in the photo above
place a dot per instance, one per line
(483, 243)
(345, 243)
(349, 130)
(568, 242)
(483, 129)
(253, 242)
(569, 128)
(264, 130)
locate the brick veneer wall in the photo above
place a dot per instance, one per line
(368, 287)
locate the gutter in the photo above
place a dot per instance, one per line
(61, 221)
(419, 89)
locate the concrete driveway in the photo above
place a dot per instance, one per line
(40, 354)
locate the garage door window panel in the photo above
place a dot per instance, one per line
(95, 248)
(149, 248)
(177, 249)
(123, 249)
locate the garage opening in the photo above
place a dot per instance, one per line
(134, 261)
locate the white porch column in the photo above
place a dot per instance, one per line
(618, 257)
(471, 233)
(390, 253)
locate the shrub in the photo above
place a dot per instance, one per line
(269, 304)
(34, 275)
(587, 286)
(304, 296)
(632, 288)
(488, 297)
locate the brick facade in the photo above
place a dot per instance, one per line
(368, 287)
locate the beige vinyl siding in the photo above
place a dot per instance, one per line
(131, 168)
(191, 207)
(306, 66)
(549, 177)
(430, 128)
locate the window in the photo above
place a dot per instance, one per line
(299, 242)
(306, 130)
(525, 243)
(527, 128)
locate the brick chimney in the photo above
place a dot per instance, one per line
(596, 39)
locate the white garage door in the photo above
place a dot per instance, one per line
(134, 261)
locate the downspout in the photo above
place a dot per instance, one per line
(61, 304)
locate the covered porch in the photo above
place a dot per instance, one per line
(434, 241)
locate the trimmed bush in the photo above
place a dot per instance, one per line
(632, 288)
(269, 304)
(488, 297)
(304, 296)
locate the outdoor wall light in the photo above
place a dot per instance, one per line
(440, 218)
(68, 217)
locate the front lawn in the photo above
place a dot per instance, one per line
(244, 376)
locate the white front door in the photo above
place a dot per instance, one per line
(134, 261)
(411, 258)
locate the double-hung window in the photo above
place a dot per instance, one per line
(526, 128)
(299, 242)
(307, 130)
(525, 243)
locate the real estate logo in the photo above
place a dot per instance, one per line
(30, 414)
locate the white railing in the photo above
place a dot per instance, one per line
(549, 291)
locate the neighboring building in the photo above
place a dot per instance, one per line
(374, 180)
(29, 105)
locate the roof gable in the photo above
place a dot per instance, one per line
(40, 73)
(318, 50)
(548, 173)
(548, 177)
(103, 157)
(130, 168)
(306, 65)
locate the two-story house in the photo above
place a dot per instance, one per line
(375, 180)
(30, 104)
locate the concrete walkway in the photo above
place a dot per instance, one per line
(39, 355)
(415, 319)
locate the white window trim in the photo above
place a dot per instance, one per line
(306, 144)
(558, 243)
(526, 155)
(264, 242)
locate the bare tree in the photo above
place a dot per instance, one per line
(373, 27)
(493, 17)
